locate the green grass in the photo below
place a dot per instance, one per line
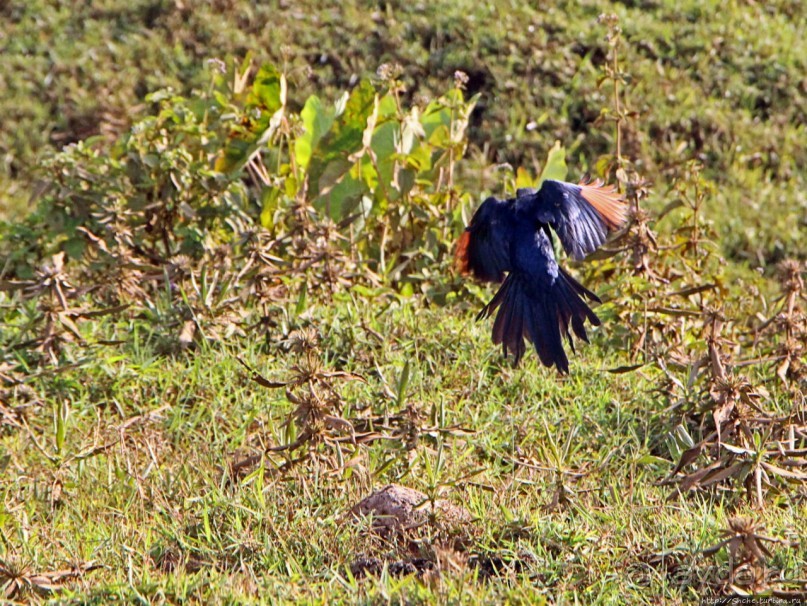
(143, 471)
(158, 465)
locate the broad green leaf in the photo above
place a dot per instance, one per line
(268, 90)
(405, 179)
(436, 115)
(352, 114)
(555, 167)
(344, 142)
(387, 106)
(332, 174)
(420, 158)
(440, 137)
(343, 197)
(317, 120)
(384, 146)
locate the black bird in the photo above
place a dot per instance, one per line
(539, 300)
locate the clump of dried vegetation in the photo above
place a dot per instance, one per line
(719, 349)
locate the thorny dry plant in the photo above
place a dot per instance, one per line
(317, 418)
(55, 315)
(321, 429)
(748, 553)
(790, 324)
(20, 581)
(748, 444)
(676, 317)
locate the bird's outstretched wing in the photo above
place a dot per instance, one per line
(483, 248)
(582, 215)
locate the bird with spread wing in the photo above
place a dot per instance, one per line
(510, 242)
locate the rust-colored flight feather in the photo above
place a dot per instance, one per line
(461, 260)
(607, 201)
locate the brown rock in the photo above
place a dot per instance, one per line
(396, 508)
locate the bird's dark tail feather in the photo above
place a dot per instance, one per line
(543, 318)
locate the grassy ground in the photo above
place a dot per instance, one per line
(559, 474)
(143, 462)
